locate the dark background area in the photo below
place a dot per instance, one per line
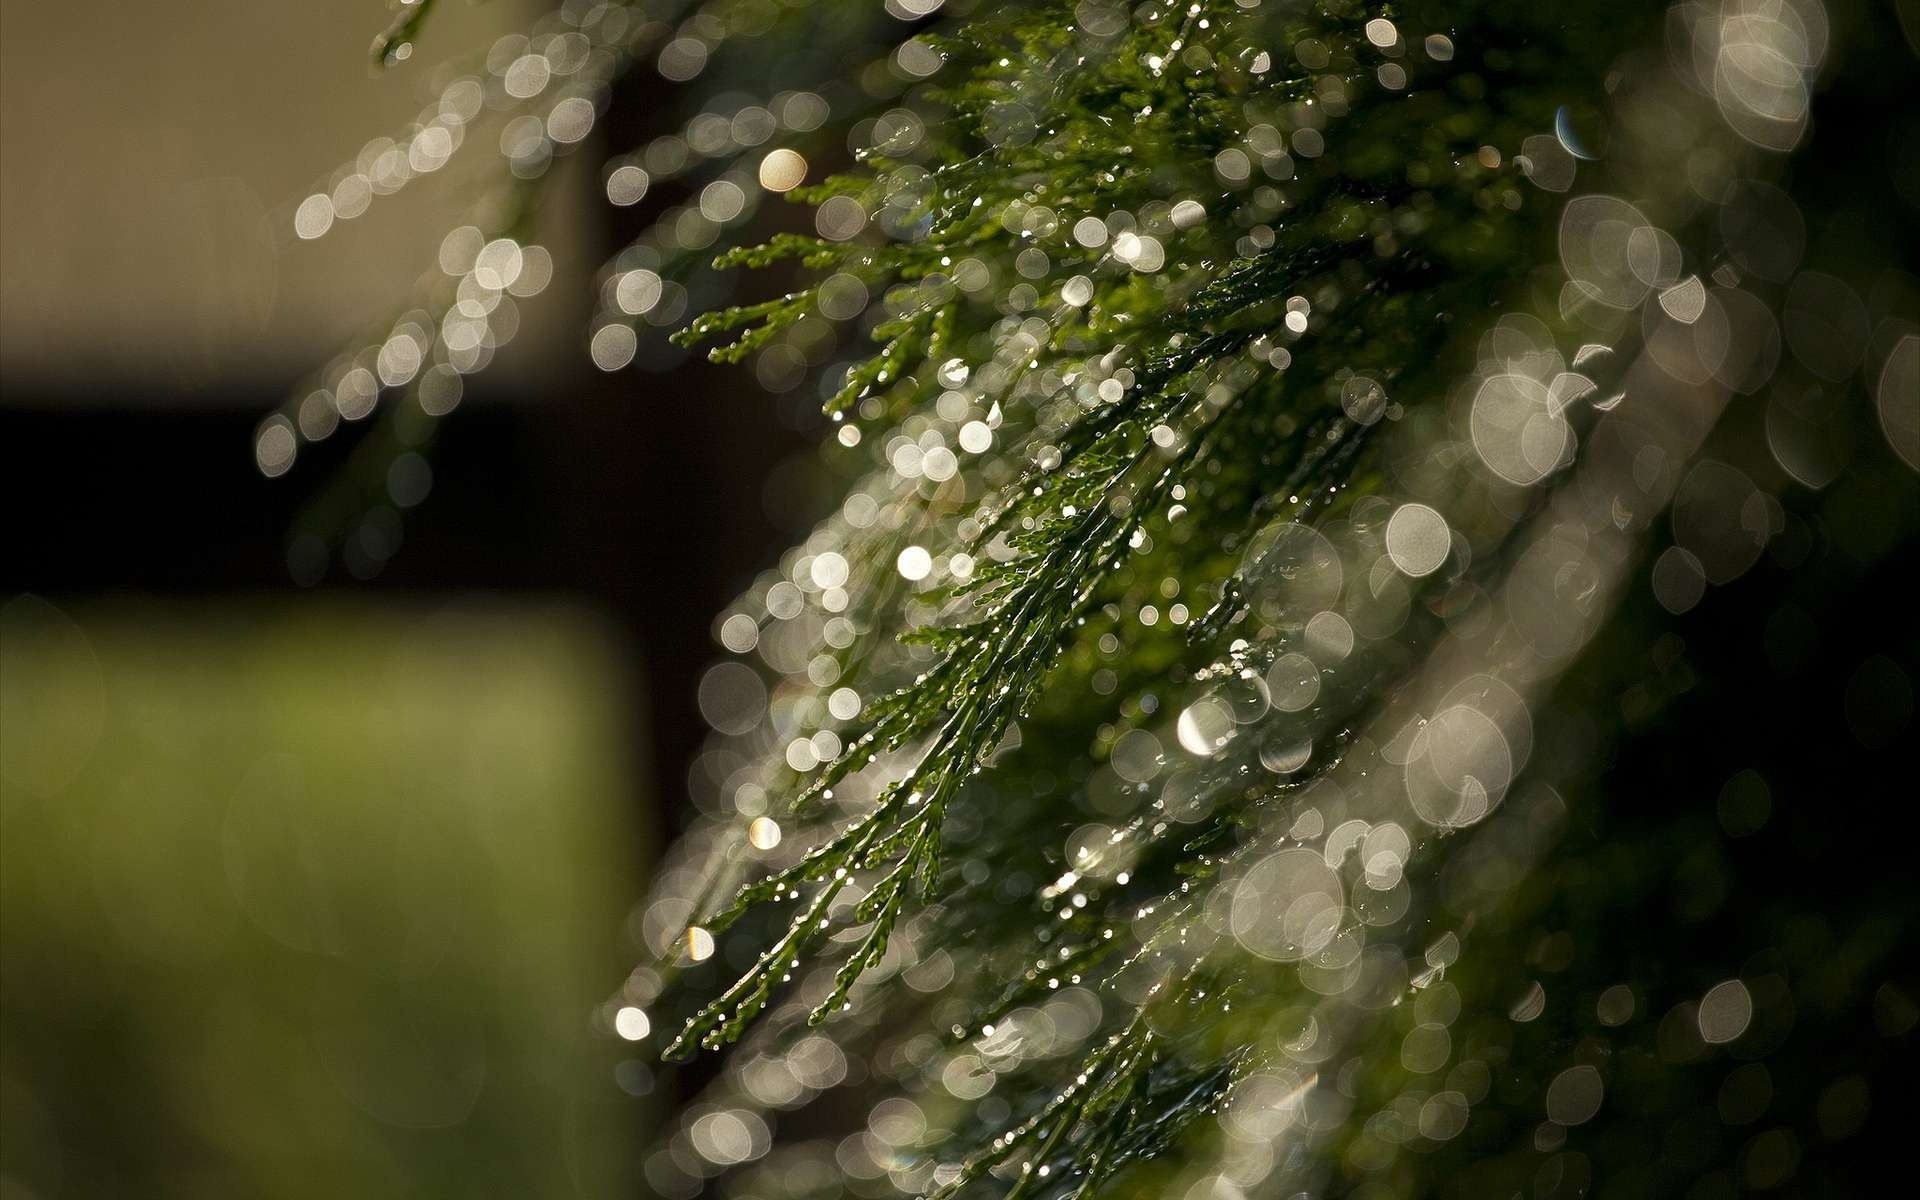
(638, 495)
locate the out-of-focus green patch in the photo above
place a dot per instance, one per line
(311, 900)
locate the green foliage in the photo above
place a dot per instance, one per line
(1250, 416)
(1164, 415)
(1099, 130)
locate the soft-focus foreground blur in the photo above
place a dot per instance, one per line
(314, 891)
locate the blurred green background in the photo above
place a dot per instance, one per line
(321, 890)
(311, 899)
